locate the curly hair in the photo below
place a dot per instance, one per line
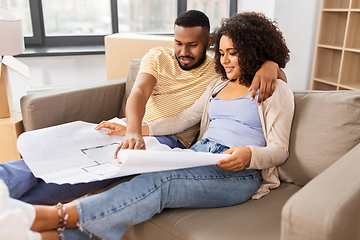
(256, 39)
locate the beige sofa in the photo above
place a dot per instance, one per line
(319, 197)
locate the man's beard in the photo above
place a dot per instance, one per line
(197, 64)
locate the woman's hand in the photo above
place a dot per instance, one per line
(115, 128)
(240, 158)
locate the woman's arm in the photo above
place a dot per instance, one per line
(278, 114)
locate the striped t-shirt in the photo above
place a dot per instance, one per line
(175, 89)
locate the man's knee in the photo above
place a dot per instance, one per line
(18, 177)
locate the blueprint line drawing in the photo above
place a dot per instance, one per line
(71, 151)
(103, 157)
(86, 151)
(97, 153)
(76, 153)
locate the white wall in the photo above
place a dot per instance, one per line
(56, 72)
(266, 7)
(297, 19)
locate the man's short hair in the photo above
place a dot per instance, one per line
(193, 18)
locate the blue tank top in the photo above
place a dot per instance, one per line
(235, 122)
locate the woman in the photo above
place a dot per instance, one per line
(257, 138)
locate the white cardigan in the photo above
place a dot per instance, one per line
(276, 114)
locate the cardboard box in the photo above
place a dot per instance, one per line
(5, 98)
(120, 48)
(9, 62)
(10, 129)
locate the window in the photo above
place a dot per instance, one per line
(215, 10)
(138, 16)
(77, 17)
(49, 23)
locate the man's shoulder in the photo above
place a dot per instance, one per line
(161, 51)
(209, 62)
(159, 55)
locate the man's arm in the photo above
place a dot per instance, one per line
(281, 75)
(265, 79)
(135, 111)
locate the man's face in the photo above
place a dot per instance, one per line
(190, 46)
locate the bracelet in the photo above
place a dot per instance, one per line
(63, 216)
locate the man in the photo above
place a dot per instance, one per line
(169, 81)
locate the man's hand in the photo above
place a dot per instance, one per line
(131, 141)
(240, 157)
(115, 128)
(264, 81)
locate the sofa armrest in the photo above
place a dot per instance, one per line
(328, 207)
(92, 103)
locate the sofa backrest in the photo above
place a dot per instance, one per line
(326, 125)
(134, 69)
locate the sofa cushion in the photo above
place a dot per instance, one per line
(326, 126)
(219, 223)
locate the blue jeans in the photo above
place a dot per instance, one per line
(109, 214)
(23, 185)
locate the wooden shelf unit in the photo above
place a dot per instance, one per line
(336, 63)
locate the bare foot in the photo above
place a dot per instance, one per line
(46, 218)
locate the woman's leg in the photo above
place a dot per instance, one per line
(47, 220)
(47, 217)
(109, 214)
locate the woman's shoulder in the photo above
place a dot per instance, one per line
(282, 87)
(282, 93)
(217, 82)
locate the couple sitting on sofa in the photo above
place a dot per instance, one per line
(256, 136)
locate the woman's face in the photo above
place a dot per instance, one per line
(228, 58)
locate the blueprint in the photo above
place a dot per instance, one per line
(75, 153)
